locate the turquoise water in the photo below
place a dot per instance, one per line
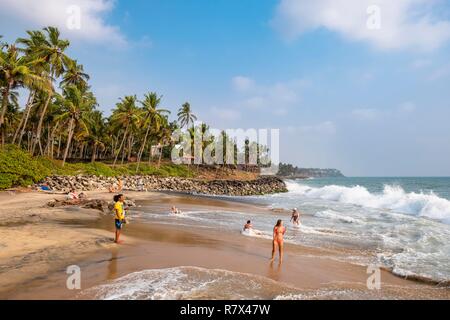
(399, 223)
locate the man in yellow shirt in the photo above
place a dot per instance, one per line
(120, 215)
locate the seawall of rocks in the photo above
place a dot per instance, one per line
(262, 185)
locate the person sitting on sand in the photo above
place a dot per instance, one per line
(248, 226)
(120, 215)
(73, 195)
(278, 233)
(141, 186)
(119, 185)
(112, 188)
(295, 218)
(175, 210)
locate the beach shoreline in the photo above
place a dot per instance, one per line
(38, 243)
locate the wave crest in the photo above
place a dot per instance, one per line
(393, 198)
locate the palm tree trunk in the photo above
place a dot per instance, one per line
(5, 103)
(94, 151)
(141, 151)
(39, 127)
(160, 156)
(69, 140)
(50, 143)
(121, 145)
(24, 118)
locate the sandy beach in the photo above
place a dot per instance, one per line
(38, 243)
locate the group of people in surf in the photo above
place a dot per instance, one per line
(279, 231)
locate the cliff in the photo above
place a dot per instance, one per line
(289, 171)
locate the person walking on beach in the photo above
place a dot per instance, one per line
(278, 233)
(120, 215)
(295, 219)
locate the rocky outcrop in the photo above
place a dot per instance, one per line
(262, 185)
(97, 204)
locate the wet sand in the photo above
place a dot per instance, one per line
(35, 253)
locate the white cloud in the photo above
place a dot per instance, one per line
(277, 97)
(226, 114)
(421, 63)
(401, 110)
(325, 128)
(440, 73)
(365, 114)
(243, 84)
(404, 24)
(38, 14)
(407, 107)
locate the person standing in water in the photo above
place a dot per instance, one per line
(295, 219)
(278, 233)
(120, 215)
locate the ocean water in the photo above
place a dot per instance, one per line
(399, 223)
(405, 221)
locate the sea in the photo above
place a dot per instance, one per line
(400, 224)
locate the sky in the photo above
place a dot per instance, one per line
(358, 85)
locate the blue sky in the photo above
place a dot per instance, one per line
(371, 102)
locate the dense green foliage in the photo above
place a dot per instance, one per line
(19, 168)
(60, 130)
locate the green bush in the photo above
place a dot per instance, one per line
(19, 168)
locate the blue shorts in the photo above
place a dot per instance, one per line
(118, 224)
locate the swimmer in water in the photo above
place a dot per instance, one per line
(175, 210)
(295, 218)
(248, 226)
(278, 233)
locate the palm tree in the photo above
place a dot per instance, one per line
(97, 133)
(152, 119)
(76, 106)
(11, 116)
(126, 115)
(164, 137)
(185, 115)
(17, 71)
(50, 49)
(35, 40)
(75, 75)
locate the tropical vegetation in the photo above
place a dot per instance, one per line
(59, 123)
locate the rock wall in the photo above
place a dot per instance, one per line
(262, 185)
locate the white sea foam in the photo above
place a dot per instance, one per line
(336, 215)
(188, 283)
(392, 198)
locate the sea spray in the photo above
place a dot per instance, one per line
(392, 198)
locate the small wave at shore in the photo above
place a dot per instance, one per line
(189, 283)
(392, 198)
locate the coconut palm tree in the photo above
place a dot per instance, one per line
(35, 40)
(76, 106)
(11, 116)
(51, 50)
(185, 115)
(127, 116)
(75, 75)
(152, 119)
(97, 133)
(17, 71)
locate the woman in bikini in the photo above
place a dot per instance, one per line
(278, 232)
